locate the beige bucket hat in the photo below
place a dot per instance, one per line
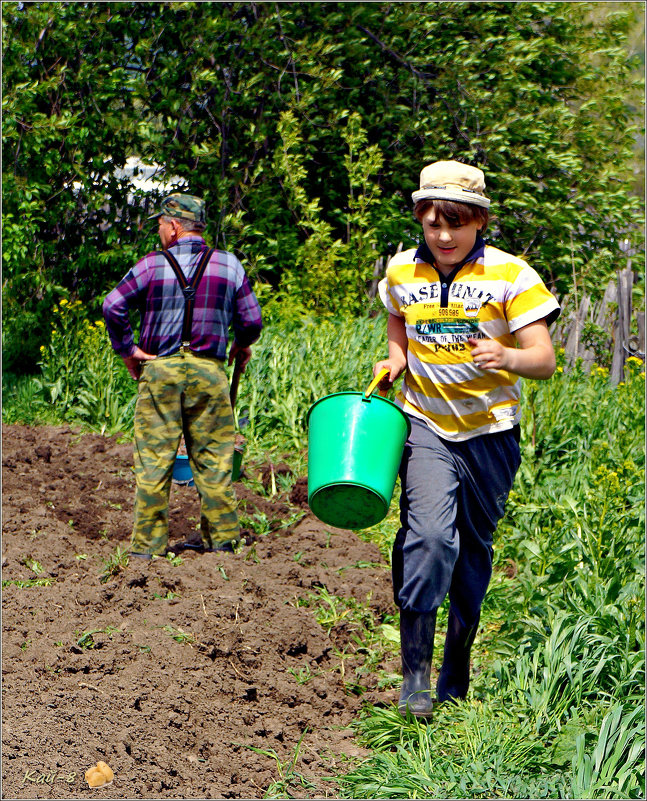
(452, 180)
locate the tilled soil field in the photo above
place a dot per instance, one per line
(170, 672)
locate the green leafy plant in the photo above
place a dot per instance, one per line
(258, 522)
(170, 595)
(114, 564)
(180, 636)
(251, 555)
(85, 639)
(33, 565)
(290, 783)
(82, 376)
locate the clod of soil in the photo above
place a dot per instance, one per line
(169, 673)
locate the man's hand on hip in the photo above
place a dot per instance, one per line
(134, 362)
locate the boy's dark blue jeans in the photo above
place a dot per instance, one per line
(453, 496)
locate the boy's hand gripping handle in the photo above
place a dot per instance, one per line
(383, 372)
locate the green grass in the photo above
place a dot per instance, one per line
(556, 704)
(365, 639)
(290, 783)
(180, 636)
(25, 584)
(555, 709)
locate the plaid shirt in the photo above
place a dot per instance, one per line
(223, 298)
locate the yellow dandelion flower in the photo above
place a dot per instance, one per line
(560, 369)
(63, 302)
(100, 324)
(634, 360)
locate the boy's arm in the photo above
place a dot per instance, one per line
(535, 358)
(397, 361)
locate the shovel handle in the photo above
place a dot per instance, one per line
(383, 372)
(235, 379)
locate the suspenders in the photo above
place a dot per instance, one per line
(188, 290)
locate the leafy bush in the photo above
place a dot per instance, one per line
(305, 126)
(82, 377)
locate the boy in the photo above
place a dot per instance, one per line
(458, 309)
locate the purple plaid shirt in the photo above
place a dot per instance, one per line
(223, 298)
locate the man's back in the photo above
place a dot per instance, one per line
(223, 297)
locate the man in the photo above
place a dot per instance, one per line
(179, 366)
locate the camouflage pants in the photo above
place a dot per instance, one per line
(183, 393)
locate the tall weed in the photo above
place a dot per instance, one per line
(82, 380)
(298, 363)
(556, 704)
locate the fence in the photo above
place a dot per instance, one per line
(600, 333)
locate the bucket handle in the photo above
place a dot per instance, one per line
(383, 372)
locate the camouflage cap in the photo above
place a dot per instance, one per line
(185, 207)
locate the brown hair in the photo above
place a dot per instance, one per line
(454, 212)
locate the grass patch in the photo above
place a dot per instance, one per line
(180, 636)
(114, 564)
(25, 584)
(290, 783)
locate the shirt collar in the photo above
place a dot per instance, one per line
(188, 241)
(425, 254)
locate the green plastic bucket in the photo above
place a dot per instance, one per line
(355, 444)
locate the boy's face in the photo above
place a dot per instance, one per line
(448, 243)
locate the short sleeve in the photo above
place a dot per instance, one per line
(386, 296)
(528, 300)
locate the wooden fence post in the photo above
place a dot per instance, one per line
(574, 342)
(622, 327)
(379, 272)
(638, 348)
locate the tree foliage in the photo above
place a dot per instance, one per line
(305, 126)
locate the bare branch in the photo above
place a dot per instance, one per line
(425, 77)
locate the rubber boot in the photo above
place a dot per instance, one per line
(198, 547)
(417, 649)
(454, 677)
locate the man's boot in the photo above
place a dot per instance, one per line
(417, 648)
(454, 677)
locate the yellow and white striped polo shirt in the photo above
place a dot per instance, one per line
(492, 294)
